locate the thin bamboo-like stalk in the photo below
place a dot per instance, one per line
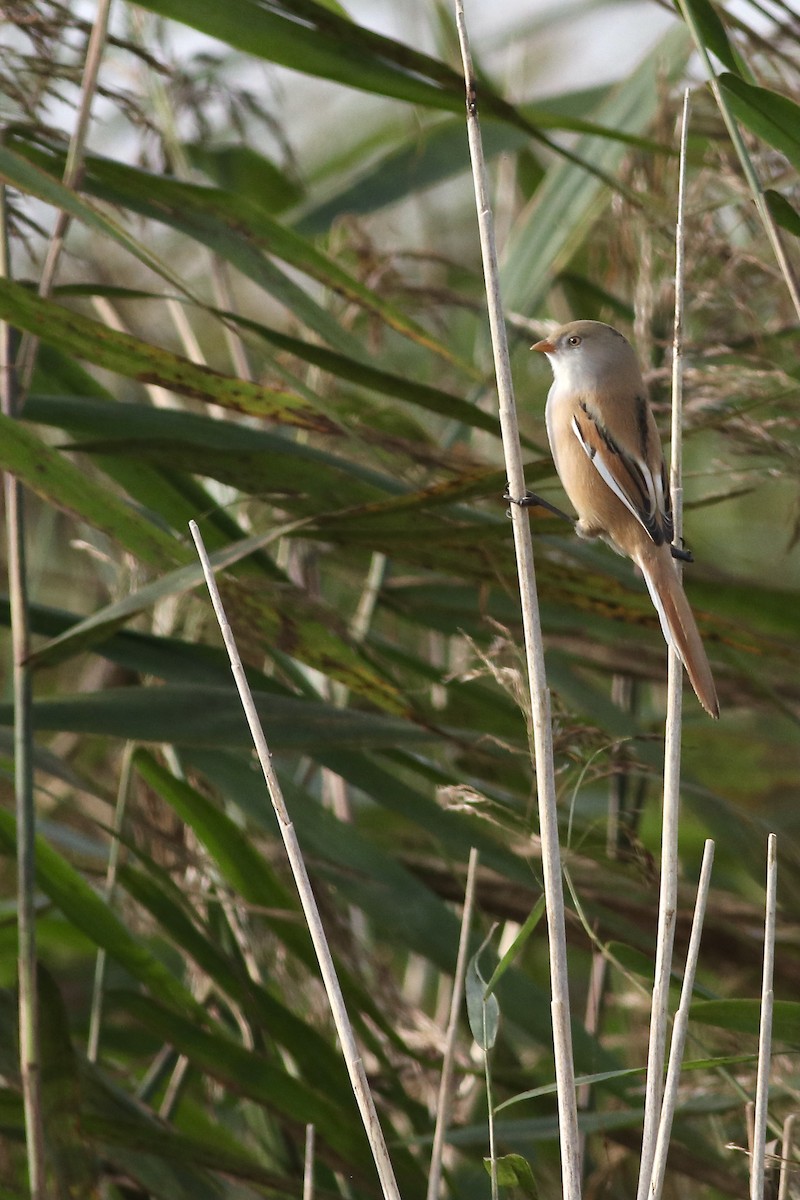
(495, 1190)
(72, 170)
(308, 1163)
(108, 314)
(96, 1013)
(680, 1027)
(757, 1161)
(787, 1145)
(164, 112)
(534, 652)
(748, 169)
(29, 1046)
(172, 1091)
(163, 1062)
(622, 696)
(676, 420)
(358, 626)
(335, 789)
(446, 1081)
(668, 885)
(223, 298)
(594, 1002)
(749, 1120)
(188, 338)
(352, 1057)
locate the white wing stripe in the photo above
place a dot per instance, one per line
(650, 483)
(600, 465)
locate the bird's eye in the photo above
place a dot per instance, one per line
(574, 340)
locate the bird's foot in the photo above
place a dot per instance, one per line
(531, 500)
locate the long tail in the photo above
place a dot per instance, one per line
(678, 624)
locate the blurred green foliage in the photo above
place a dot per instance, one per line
(270, 319)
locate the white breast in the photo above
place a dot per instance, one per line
(554, 414)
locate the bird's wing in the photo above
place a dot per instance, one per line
(643, 491)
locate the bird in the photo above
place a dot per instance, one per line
(607, 452)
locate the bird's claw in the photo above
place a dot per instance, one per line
(531, 500)
(528, 500)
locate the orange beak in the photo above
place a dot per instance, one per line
(544, 347)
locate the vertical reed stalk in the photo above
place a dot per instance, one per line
(123, 790)
(29, 1052)
(680, 1027)
(534, 651)
(668, 888)
(72, 171)
(757, 1161)
(445, 1084)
